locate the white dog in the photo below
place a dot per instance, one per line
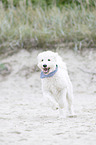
(56, 84)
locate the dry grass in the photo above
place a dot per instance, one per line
(21, 27)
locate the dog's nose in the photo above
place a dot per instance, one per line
(44, 65)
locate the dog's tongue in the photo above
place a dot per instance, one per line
(45, 69)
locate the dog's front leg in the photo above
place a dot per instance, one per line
(62, 104)
(50, 100)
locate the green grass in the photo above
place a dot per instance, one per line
(37, 27)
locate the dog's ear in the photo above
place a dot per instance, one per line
(56, 58)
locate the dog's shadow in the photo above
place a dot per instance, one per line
(51, 119)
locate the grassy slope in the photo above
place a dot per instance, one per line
(30, 27)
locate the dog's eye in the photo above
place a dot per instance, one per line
(48, 59)
(42, 60)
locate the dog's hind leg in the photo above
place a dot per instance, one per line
(70, 100)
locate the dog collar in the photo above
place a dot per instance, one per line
(42, 75)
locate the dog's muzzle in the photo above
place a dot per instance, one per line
(45, 69)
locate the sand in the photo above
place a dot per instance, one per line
(26, 119)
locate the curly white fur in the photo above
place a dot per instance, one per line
(58, 87)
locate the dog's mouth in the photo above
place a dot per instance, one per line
(46, 70)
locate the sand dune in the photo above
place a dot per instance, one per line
(25, 119)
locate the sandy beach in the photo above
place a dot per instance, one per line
(26, 119)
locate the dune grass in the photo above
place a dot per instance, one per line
(37, 27)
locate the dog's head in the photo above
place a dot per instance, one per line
(47, 61)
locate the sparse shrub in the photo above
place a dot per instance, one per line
(33, 27)
(42, 3)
